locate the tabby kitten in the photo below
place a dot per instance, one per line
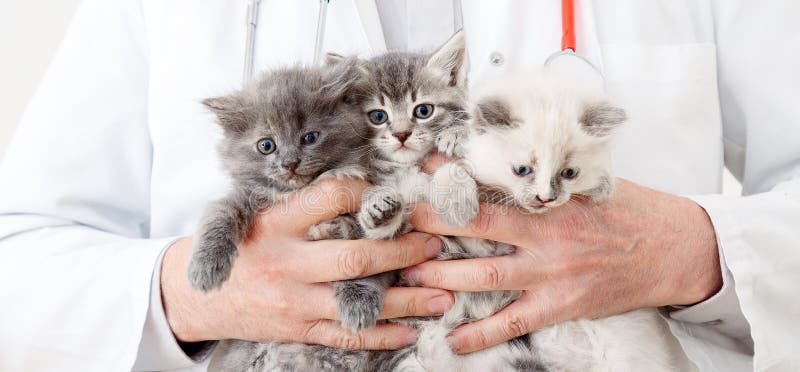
(286, 129)
(415, 103)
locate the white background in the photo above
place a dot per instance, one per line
(30, 32)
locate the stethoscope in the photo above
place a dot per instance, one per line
(252, 24)
(564, 61)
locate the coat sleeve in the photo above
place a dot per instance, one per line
(758, 50)
(77, 260)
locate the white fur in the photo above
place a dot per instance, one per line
(546, 111)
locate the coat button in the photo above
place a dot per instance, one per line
(496, 58)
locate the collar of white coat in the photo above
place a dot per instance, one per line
(588, 40)
(367, 12)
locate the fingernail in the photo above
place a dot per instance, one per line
(451, 341)
(410, 276)
(432, 247)
(440, 304)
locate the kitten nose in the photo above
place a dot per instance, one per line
(290, 164)
(544, 200)
(401, 136)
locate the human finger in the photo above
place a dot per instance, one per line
(494, 222)
(517, 319)
(434, 161)
(320, 201)
(319, 302)
(512, 272)
(331, 260)
(400, 302)
(388, 336)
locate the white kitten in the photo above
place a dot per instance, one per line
(535, 141)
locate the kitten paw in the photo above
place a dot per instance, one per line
(449, 141)
(382, 213)
(209, 266)
(354, 172)
(358, 304)
(454, 195)
(342, 227)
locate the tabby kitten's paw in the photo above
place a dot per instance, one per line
(211, 263)
(449, 141)
(382, 213)
(342, 227)
(358, 303)
(454, 195)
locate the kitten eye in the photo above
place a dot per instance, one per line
(522, 170)
(423, 111)
(310, 138)
(378, 117)
(266, 146)
(569, 173)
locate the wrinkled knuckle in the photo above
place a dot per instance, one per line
(514, 325)
(436, 278)
(353, 263)
(348, 341)
(411, 308)
(481, 339)
(490, 276)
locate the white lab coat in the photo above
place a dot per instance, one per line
(115, 157)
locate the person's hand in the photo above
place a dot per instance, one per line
(278, 289)
(642, 248)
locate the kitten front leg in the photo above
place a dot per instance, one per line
(449, 140)
(223, 227)
(341, 227)
(358, 301)
(382, 213)
(454, 195)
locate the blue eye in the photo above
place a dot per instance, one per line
(423, 111)
(378, 117)
(522, 170)
(266, 146)
(310, 138)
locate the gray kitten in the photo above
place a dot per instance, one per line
(281, 132)
(415, 102)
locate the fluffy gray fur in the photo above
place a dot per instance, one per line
(284, 106)
(395, 82)
(398, 84)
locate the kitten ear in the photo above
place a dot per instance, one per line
(493, 112)
(342, 79)
(599, 119)
(450, 59)
(230, 111)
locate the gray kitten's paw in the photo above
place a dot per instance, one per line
(358, 304)
(342, 227)
(211, 263)
(355, 172)
(454, 195)
(449, 141)
(382, 213)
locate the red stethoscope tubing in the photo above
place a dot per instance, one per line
(568, 25)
